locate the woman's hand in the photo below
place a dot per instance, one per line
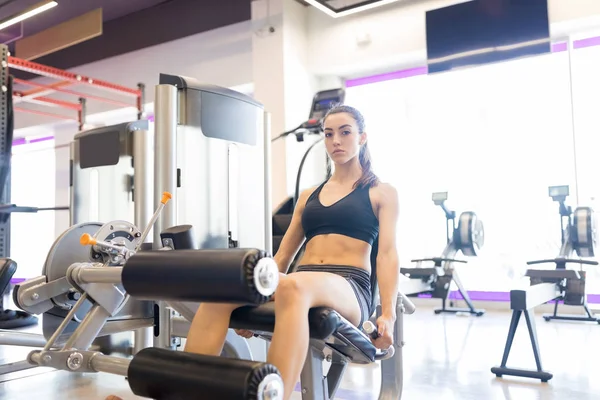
(244, 333)
(385, 329)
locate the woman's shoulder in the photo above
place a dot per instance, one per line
(384, 193)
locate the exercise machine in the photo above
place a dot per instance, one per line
(239, 276)
(187, 266)
(578, 237)
(466, 236)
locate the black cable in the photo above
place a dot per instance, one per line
(297, 190)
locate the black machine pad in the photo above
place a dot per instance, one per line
(324, 324)
(7, 269)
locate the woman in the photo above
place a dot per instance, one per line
(340, 220)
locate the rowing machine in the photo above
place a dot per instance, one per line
(568, 285)
(467, 237)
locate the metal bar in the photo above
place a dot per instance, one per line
(267, 179)
(42, 91)
(51, 72)
(46, 114)
(68, 91)
(47, 101)
(88, 329)
(165, 160)
(22, 339)
(85, 275)
(110, 365)
(142, 199)
(165, 179)
(533, 296)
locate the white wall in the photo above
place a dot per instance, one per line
(222, 57)
(397, 35)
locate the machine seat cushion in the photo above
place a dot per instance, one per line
(324, 324)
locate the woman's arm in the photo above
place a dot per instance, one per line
(388, 269)
(294, 236)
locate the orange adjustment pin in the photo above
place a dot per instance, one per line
(86, 239)
(166, 197)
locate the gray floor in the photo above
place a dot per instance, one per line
(446, 357)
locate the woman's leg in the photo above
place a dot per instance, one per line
(209, 328)
(295, 295)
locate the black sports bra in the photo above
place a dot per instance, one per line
(351, 216)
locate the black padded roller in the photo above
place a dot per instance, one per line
(211, 275)
(169, 375)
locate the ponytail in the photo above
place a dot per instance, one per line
(368, 178)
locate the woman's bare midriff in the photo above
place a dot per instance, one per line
(333, 249)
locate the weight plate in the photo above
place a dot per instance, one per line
(65, 251)
(470, 234)
(583, 232)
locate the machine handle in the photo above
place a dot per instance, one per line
(371, 331)
(562, 260)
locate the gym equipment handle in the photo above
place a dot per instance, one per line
(562, 261)
(438, 259)
(371, 330)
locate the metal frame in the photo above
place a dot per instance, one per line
(39, 93)
(73, 355)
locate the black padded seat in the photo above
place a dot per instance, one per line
(324, 323)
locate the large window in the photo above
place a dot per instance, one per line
(494, 137)
(32, 184)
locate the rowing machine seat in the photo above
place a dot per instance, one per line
(324, 324)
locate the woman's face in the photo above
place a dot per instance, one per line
(342, 138)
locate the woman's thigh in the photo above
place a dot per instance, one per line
(323, 289)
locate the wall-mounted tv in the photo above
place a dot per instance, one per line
(486, 31)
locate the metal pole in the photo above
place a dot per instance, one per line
(110, 365)
(83, 275)
(267, 182)
(165, 179)
(142, 196)
(142, 177)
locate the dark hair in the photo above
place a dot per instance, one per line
(368, 178)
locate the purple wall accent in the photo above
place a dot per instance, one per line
(559, 47)
(42, 139)
(502, 297)
(407, 73)
(589, 42)
(19, 142)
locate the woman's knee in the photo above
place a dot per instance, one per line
(289, 290)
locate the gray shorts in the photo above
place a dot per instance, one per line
(358, 278)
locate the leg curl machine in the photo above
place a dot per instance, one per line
(466, 237)
(189, 117)
(568, 285)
